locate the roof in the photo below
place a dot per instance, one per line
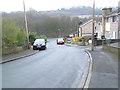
(119, 10)
(87, 23)
(107, 8)
(113, 13)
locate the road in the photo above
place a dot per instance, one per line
(59, 66)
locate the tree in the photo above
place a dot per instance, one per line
(21, 37)
(12, 35)
(41, 37)
(9, 33)
(45, 24)
(32, 36)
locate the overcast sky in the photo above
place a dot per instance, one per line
(43, 5)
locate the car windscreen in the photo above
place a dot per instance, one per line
(41, 41)
(60, 40)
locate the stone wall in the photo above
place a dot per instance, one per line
(115, 50)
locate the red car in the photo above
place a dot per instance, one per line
(60, 41)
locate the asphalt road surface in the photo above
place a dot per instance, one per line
(59, 66)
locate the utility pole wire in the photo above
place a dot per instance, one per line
(93, 25)
(26, 26)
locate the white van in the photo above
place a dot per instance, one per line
(39, 44)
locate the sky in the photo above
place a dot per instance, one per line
(46, 5)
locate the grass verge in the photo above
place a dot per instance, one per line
(7, 51)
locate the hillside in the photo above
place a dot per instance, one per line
(73, 11)
(49, 22)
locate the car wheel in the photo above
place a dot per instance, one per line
(44, 47)
(34, 48)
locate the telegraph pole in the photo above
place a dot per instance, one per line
(26, 27)
(92, 48)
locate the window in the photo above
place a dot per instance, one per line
(107, 35)
(99, 23)
(95, 28)
(114, 19)
(107, 19)
(113, 35)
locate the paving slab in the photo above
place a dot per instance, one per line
(105, 69)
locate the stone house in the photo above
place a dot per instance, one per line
(108, 27)
(119, 20)
(110, 23)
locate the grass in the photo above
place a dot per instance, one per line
(7, 51)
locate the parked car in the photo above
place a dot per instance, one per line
(39, 44)
(60, 41)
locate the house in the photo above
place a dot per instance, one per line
(119, 20)
(86, 29)
(98, 29)
(110, 23)
(108, 27)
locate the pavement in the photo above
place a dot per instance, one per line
(104, 69)
(115, 44)
(19, 55)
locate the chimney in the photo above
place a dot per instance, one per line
(105, 11)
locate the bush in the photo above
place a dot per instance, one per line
(21, 37)
(81, 39)
(12, 35)
(33, 36)
(41, 37)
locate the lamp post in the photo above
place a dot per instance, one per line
(26, 26)
(92, 48)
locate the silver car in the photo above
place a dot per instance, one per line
(39, 44)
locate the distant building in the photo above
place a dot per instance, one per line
(86, 28)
